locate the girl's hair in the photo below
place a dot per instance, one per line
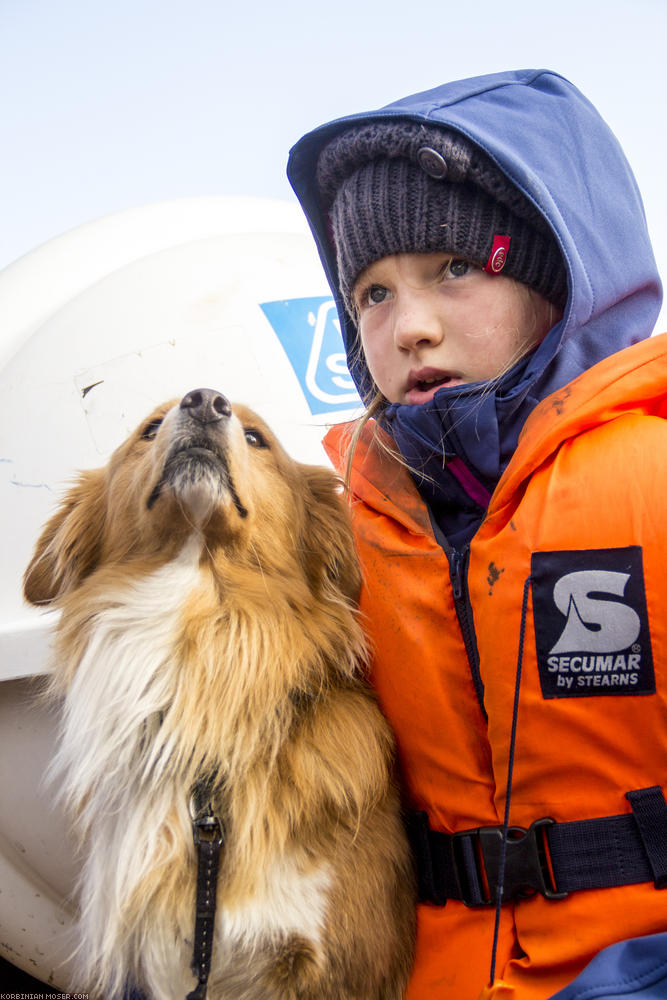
(374, 407)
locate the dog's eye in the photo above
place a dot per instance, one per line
(151, 429)
(255, 438)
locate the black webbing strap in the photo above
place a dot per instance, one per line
(208, 837)
(551, 858)
(598, 853)
(437, 876)
(650, 812)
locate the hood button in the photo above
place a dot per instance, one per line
(432, 163)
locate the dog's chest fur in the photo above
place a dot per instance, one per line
(126, 673)
(127, 774)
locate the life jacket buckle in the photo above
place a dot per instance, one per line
(477, 856)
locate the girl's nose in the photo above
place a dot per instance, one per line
(417, 322)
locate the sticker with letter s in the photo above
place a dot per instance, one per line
(309, 331)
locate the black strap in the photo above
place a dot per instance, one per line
(208, 837)
(650, 812)
(551, 858)
(598, 853)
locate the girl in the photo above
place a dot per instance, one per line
(487, 248)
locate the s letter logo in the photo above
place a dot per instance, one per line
(591, 623)
(309, 332)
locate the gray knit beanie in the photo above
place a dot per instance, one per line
(403, 187)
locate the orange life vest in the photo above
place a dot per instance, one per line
(581, 511)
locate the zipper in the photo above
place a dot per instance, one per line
(458, 573)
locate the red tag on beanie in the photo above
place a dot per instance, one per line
(498, 255)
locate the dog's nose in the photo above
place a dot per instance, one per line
(206, 406)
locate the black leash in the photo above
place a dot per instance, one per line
(508, 790)
(208, 833)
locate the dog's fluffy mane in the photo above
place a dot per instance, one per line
(205, 639)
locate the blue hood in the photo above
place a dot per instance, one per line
(554, 146)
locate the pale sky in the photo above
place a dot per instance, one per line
(108, 106)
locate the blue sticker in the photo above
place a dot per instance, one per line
(309, 331)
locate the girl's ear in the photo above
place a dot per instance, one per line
(69, 546)
(329, 553)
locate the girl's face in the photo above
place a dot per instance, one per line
(432, 320)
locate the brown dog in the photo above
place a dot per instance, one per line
(208, 638)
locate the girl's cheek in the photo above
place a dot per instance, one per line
(368, 341)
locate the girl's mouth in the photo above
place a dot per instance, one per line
(423, 385)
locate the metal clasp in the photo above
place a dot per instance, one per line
(208, 831)
(206, 827)
(477, 855)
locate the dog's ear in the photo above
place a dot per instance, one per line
(68, 548)
(328, 550)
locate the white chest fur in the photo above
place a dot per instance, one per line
(288, 901)
(124, 678)
(112, 756)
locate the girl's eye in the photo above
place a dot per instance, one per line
(151, 429)
(457, 268)
(376, 294)
(255, 438)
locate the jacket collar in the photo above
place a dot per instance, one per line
(378, 478)
(631, 381)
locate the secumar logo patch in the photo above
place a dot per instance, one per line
(591, 623)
